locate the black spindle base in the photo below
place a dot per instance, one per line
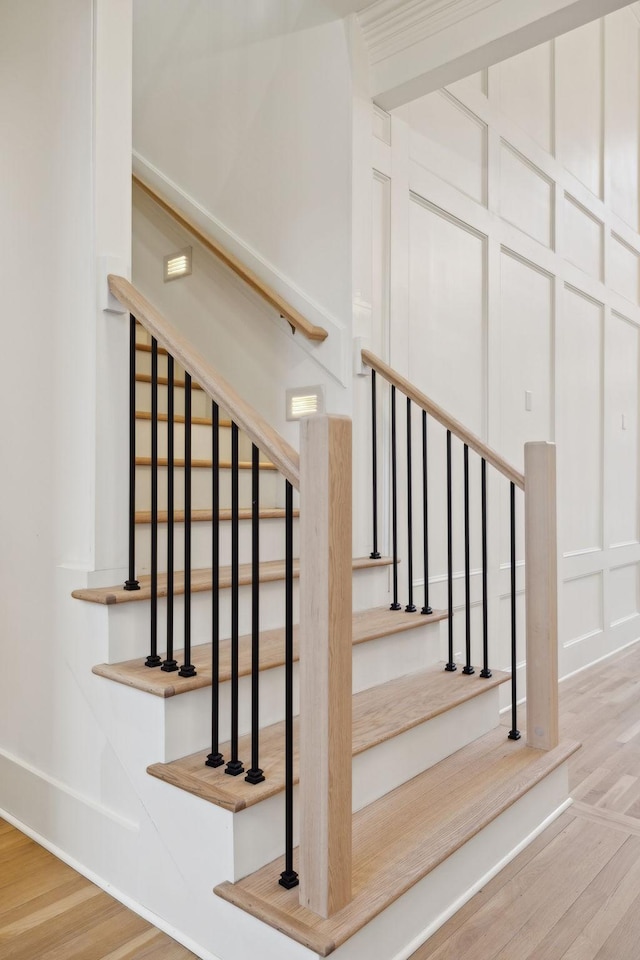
(214, 760)
(468, 671)
(395, 606)
(485, 673)
(255, 776)
(514, 734)
(169, 666)
(234, 768)
(131, 585)
(375, 555)
(187, 670)
(427, 611)
(288, 879)
(451, 667)
(153, 661)
(411, 608)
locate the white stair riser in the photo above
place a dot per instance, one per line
(272, 488)
(375, 772)
(200, 403)
(187, 717)
(128, 623)
(201, 441)
(272, 543)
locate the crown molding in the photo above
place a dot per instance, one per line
(390, 26)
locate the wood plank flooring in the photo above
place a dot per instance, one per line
(574, 893)
(50, 912)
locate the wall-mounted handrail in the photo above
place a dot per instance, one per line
(309, 330)
(447, 421)
(281, 454)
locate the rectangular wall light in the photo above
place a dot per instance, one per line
(177, 264)
(304, 401)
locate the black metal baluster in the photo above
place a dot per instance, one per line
(468, 669)
(394, 501)
(187, 669)
(451, 666)
(410, 607)
(514, 733)
(255, 774)
(234, 765)
(485, 672)
(215, 758)
(153, 660)
(375, 553)
(425, 515)
(131, 583)
(289, 877)
(170, 664)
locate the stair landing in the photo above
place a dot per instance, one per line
(405, 835)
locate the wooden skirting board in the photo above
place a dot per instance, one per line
(405, 835)
(367, 625)
(379, 713)
(201, 580)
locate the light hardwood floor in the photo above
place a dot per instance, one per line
(49, 912)
(574, 893)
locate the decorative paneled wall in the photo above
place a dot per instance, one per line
(507, 287)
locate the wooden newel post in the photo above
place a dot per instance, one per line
(541, 558)
(325, 663)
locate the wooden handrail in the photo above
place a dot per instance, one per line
(249, 420)
(289, 313)
(456, 428)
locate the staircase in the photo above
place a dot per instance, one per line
(438, 797)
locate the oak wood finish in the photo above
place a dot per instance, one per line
(206, 514)
(325, 664)
(379, 714)
(541, 575)
(201, 580)
(310, 330)
(450, 423)
(204, 464)
(179, 418)
(367, 625)
(49, 912)
(400, 838)
(216, 387)
(164, 381)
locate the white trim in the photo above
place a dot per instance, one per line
(123, 898)
(417, 942)
(332, 354)
(593, 663)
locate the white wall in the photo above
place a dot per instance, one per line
(242, 113)
(506, 231)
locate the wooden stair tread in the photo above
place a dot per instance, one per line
(402, 837)
(164, 381)
(198, 516)
(201, 580)
(206, 464)
(367, 625)
(179, 418)
(379, 713)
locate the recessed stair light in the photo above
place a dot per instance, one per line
(177, 265)
(304, 401)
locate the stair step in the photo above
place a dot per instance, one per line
(400, 838)
(201, 580)
(379, 713)
(164, 381)
(204, 464)
(367, 625)
(199, 516)
(179, 418)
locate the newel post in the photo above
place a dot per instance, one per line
(541, 559)
(325, 663)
